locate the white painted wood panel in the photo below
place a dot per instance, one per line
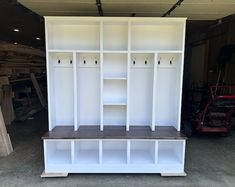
(74, 36)
(141, 89)
(120, 72)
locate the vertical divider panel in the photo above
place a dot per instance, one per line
(48, 78)
(100, 151)
(76, 125)
(181, 77)
(128, 151)
(156, 152)
(45, 152)
(101, 77)
(154, 90)
(49, 92)
(184, 147)
(128, 78)
(72, 151)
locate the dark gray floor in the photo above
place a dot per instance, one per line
(210, 161)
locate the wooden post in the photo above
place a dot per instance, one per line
(6, 100)
(5, 141)
(38, 90)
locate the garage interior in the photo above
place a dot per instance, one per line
(210, 26)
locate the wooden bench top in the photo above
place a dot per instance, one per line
(114, 132)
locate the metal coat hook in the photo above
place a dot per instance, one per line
(171, 60)
(96, 62)
(134, 60)
(84, 61)
(71, 61)
(58, 60)
(146, 61)
(159, 61)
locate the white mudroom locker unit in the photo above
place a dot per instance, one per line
(114, 95)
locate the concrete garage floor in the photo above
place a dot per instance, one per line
(210, 162)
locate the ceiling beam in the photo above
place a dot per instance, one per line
(99, 7)
(178, 3)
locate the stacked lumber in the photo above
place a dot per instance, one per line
(6, 100)
(22, 77)
(20, 59)
(5, 141)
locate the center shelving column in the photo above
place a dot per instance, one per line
(114, 73)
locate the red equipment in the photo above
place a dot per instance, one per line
(215, 116)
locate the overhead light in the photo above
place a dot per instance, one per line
(16, 30)
(37, 38)
(15, 43)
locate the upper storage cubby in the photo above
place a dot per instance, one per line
(115, 36)
(73, 35)
(156, 36)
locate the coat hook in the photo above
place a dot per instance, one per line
(84, 61)
(96, 62)
(134, 60)
(146, 61)
(58, 60)
(71, 61)
(159, 61)
(171, 60)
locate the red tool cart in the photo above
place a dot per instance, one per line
(215, 116)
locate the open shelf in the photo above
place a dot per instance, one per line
(114, 152)
(142, 152)
(115, 65)
(115, 91)
(156, 51)
(154, 36)
(86, 152)
(115, 77)
(170, 152)
(115, 35)
(74, 35)
(114, 102)
(58, 152)
(114, 114)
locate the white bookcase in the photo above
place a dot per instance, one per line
(114, 95)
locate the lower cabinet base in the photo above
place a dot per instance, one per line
(56, 175)
(164, 170)
(63, 156)
(114, 151)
